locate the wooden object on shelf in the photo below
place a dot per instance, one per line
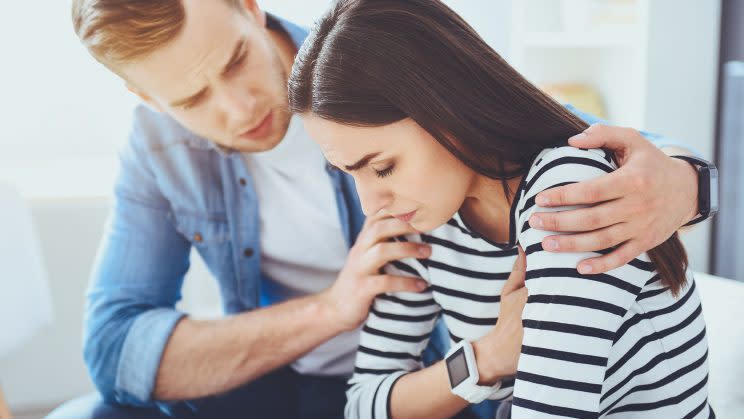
(582, 96)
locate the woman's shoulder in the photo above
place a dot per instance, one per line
(566, 164)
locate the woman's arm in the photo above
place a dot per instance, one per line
(389, 379)
(392, 340)
(426, 393)
(570, 319)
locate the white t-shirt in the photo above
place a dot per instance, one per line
(302, 242)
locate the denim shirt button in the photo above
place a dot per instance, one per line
(248, 252)
(198, 237)
(242, 181)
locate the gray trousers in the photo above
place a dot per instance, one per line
(504, 411)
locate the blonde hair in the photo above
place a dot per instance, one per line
(117, 32)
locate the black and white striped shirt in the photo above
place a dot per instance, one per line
(614, 344)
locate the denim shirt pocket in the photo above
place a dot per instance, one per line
(210, 236)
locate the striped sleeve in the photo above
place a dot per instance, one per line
(569, 319)
(391, 343)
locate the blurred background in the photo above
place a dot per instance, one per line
(674, 67)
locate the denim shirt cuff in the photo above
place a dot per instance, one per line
(142, 352)
(658, 140)
(661, 142)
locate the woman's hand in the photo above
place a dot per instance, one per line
(497, 353)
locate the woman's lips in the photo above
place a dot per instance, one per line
(406, 217)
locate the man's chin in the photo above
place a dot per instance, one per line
(257, 145)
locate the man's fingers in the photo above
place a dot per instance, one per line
(383, 230)
(603, 136)
(618, 257)
(579, 220)
(594, 241)
(383, 253)
(381, 284)
(516, 278)
(603, 188)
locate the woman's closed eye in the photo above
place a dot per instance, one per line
(385, 172)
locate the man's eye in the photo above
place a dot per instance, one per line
(237, 64)
(384, 173)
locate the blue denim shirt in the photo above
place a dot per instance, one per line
(176, 191)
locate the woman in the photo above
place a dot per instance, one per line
(439, 131)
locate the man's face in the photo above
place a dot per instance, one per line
(223, 77)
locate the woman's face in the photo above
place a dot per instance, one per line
(399, 169)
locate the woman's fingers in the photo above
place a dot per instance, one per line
(517, 276)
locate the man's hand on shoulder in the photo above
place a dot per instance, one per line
(634, 208)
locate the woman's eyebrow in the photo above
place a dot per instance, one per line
(362, 162)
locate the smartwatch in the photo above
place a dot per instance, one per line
(707, 188)
(463, 374)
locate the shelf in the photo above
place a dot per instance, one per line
(579, 39)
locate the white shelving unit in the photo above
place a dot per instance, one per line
(559, 42)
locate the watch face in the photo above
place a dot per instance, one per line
(457, 368)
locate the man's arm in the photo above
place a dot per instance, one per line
(209, 357)
(138, 348)
(634, 208)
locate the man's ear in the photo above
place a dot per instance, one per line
(251, 7)
(145, 98)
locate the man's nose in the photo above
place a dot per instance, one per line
(239, 108)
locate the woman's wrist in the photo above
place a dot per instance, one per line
(490, 370)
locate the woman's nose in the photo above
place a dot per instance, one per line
(373, 199)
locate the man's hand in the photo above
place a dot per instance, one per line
(360, 281)
(497, 353)
(638, 206)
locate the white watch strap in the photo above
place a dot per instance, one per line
(469, 389)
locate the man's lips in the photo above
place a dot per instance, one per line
(260, 130)
(405, 217)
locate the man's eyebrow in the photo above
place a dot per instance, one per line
(237, 53)
(193, 98)
(362, 162)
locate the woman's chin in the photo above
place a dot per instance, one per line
(424, 225)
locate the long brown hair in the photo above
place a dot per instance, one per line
(375, 62)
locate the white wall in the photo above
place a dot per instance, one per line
(682, 87)
(56, 102)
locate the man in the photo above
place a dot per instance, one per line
(215, 162)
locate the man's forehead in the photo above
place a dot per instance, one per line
(184, 65)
